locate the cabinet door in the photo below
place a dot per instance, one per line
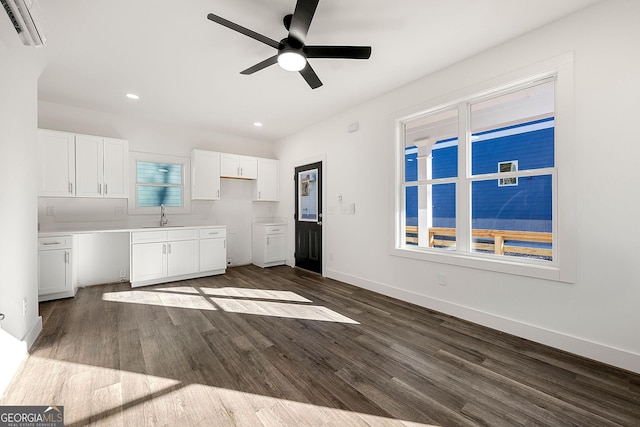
(148, 261)
(56, 160)
(182, 257)
(229, 165)
(213, 254)
(275, 248)
(116, 168)
(248, 167)
(267, 185)
(205, 175)
(54, 271)
(89, 166)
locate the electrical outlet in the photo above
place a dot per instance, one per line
(51, 211)
(119, 210)
(442, 279)
(24, 307)
(123, 274)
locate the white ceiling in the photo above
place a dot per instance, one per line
(186, 68)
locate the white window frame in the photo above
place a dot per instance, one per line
(563, 267)
(185, 162)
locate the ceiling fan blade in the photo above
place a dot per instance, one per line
(301, 20)
(311, 77)
(261, 65)
(242, 30)
(340, 52)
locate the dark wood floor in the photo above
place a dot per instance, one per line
(284, 347)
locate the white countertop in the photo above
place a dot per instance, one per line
(116, 229)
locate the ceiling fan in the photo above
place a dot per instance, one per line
(293, 53)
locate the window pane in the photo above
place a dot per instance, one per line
(150, 195)
(159, 173)
(513, 220)
(516, 127)
(431, 147)
(431, 215)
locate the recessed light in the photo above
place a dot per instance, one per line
(257, 124)
(132, 96)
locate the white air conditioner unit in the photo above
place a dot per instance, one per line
(25, 17)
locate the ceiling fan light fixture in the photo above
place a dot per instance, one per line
(291, 60)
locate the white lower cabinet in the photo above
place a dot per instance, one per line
(159, 256)
(55, 272)
(213, 249)
(269, 244)
(182, 257)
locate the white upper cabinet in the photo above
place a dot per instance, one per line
(205, 175)
(267, 184)
(116, 168)
(236, 166)
(101, 167)
(56, 160)
(82, 165)
(89, 169)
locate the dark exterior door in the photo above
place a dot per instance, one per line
(308, 217)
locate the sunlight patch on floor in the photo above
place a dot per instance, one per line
(255, 293)
(232, 300)
(281, 309)
(105, 396)
(163, 299)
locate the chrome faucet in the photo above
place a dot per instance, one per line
(163, 217)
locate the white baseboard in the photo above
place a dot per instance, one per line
(583, 347)
(33, 333)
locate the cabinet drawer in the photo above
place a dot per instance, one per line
(50, 243)
(213, 233)
(274, 229)
(148, 236)
(188, 234)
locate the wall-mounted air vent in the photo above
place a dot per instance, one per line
(24, 15)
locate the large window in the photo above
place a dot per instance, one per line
(479, 180)
(159, 184)
(159, 180)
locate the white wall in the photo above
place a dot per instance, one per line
(19, 72)
(235, 208)
(597, 316)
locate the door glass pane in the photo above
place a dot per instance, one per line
(431, 215)
(308, 195)
(513, 220)
(516, 128)
(431, 146)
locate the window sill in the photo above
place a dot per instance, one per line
(507, 265)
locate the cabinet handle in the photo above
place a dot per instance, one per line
(241, 171)
(225, 243)
(70, 187)
(267, 240)
(218, 194)
(164, 249)
(99, 188)
(66, 257)
(169, 247)
(259, 194)
(51, 243)
(106, 189)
